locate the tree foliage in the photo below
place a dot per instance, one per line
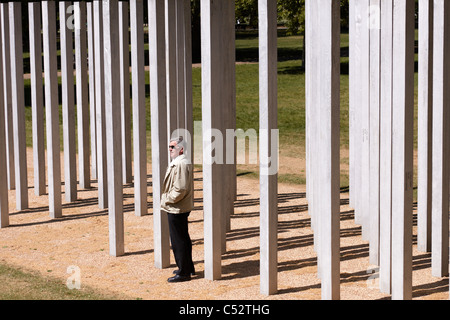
(247, 12)
(291, 13)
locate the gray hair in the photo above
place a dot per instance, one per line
(180, 142)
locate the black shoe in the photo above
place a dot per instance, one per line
(177, 271)
(179, 278)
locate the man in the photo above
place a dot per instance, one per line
(178, 201)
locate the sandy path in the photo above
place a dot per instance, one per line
(80, 238)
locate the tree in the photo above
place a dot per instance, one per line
(247, 12)
(291, 13)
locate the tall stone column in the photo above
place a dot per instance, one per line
(9, 136)
(68, 103)
(159, 128)
(229, 114)
(374, 131)
(363, 209)
(441, 132)
(37, 97)
(212, 41)
(180, 30)
(328, 144)
(52, 108)
(18, 104)
(84, 170)
(102, 175)
(402, 147)
(91, 67)
(189, 106)
(425, 113)
(312, 63)
(138, 95)
(359, 123)
(124, 46)
(267, 13)
(171, 65)
(386, 146)
(4, 203)
(113, 129)
(307, 55)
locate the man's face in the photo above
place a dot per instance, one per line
(175, 150)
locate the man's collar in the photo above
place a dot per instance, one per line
(177, 159)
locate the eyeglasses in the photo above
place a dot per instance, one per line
(171, 147)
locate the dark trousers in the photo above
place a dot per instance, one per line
(181, 242)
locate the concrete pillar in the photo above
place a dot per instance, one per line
(180, 63)
(138, 95)
(359, 111)
(402, 147)
(171, 63)
(267, 16)
(386, 146)
(113, 128)
(425, 113)
(124, 45)
(441, 160)
(91, 67)
(68, 102)
(9, 136)
(308, 96)
(18, 104)
(374, 132)
(157, 55)
(189, 104)
(84, 170)
(100, 106)
(311, 101)
(182, 75)
(329, 142)
(364, 132)
(307, 40)
(189, 107)
(353, 59)
(211, 38)
(4, 205)
(229, 112)
(52, 108)
(37, 97)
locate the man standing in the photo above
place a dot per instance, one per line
(178, 201)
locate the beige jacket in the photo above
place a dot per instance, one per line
(177, 190)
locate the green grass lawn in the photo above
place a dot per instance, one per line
(19, 284)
